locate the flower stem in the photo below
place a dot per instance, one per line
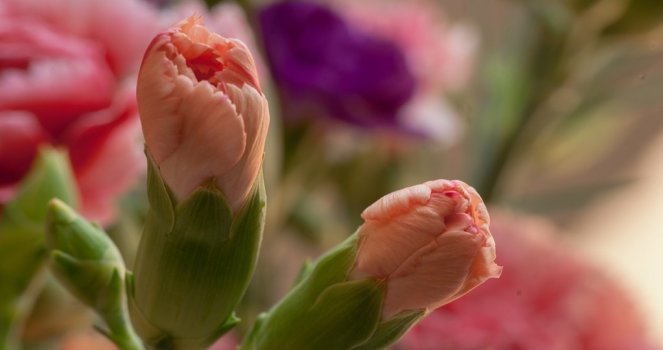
(122, 333)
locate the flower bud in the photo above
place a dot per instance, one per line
(203, 114)
(87, 262)
(205, 122)
(430, 243)
(71, 235)
(419, 248)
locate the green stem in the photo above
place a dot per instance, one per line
(122, 333)
(8, 338)
(14, 313)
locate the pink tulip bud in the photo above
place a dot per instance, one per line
(430, 243)
(203, 114)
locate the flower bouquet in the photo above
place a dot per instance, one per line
(271, 175)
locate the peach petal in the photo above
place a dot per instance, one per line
(397, 203)
(433, 276)
(252, 106)
(429, 242)
(203, 114)
(212, 139)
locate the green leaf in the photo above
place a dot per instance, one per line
(22, 248)
(50, 177)
(567, 200)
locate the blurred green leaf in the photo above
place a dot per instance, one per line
(639, 16)
(22, 247)
(566, 200)
(633, 16)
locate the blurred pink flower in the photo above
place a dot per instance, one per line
(62, 68)
(86, 341)
(546, 298)
(229, 341)
(440, 54)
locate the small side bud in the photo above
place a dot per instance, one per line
(85, 260)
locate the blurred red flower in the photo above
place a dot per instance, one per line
(546, 298)
(64, 66)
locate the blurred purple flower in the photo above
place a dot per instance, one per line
(323, 65)
(440, 53)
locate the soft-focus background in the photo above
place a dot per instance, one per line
(552, 110)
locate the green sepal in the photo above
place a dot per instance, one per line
(90, 281)
(388, 332)
(359, 301)
(70, 233)
(344, 315)
(332, 267)
(230, 323)
(324, 310)
(304, 272)
(189, 276)
(213, 227)
(161, 198)
(147, 331)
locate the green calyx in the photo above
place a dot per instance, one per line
(194, 263)
(388, 332)
(327, 311)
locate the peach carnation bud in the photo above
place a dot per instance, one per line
(430, 243)
(205, 122)
(419, 248)
(203, 114)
